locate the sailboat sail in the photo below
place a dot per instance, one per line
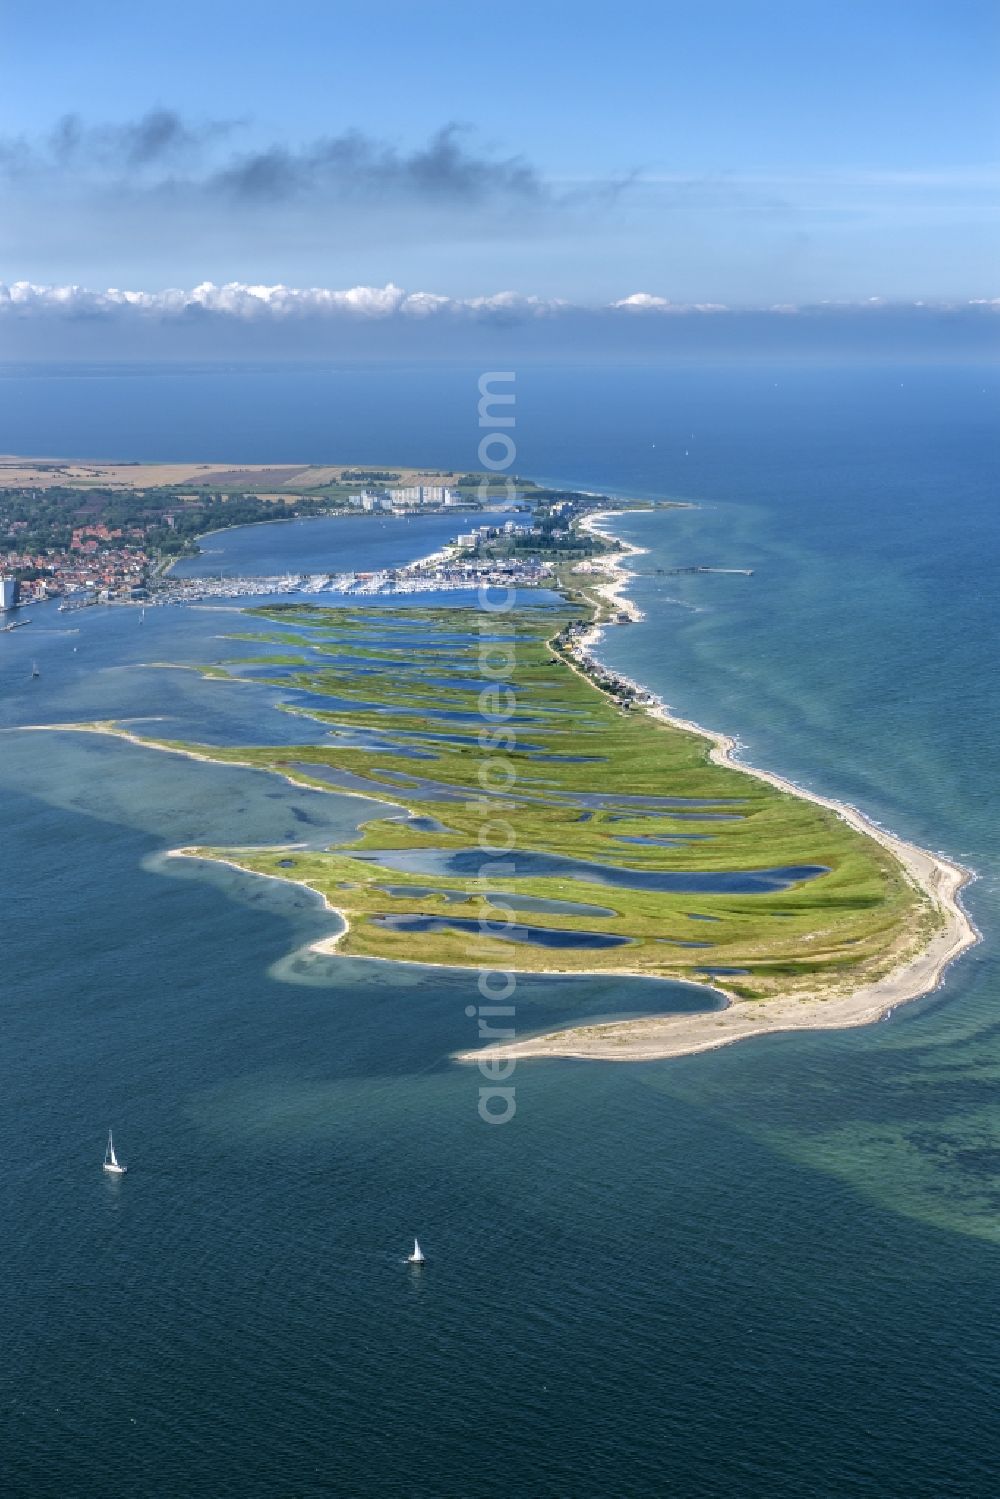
(111, 1161)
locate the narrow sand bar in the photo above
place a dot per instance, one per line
(654, 1037)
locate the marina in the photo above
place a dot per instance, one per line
(432, 578)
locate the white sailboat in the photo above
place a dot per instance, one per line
(417, 1257)
(111, 1162)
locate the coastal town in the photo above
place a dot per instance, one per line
(98, 562)
(120, 576)
(113, 534)
(111, 544)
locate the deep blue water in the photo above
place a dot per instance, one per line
(768, 1272)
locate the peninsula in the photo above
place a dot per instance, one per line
(637, 844)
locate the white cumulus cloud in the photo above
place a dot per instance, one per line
(241, 301)
(644, 301)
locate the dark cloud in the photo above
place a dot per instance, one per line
(161, 133)
(161, 136)
(355, 165)
(162, 150)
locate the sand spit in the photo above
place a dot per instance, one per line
(939, 879)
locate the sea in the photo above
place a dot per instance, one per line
(766, 1272)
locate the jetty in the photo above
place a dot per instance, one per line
(743, 572)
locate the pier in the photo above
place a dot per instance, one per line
(743, 572)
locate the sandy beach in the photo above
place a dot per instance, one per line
(939, 879)
(612, 567)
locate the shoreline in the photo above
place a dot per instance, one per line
(328, 945)
(939, 879)
(613, 564)
(271, 520)
(333, 513)
(654, 1038)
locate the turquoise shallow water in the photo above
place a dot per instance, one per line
(770, 1271)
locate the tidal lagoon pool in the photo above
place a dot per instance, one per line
(508, 931)
(470, 861)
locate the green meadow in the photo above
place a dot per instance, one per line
(541, 763)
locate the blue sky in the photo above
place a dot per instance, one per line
(737, 152)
